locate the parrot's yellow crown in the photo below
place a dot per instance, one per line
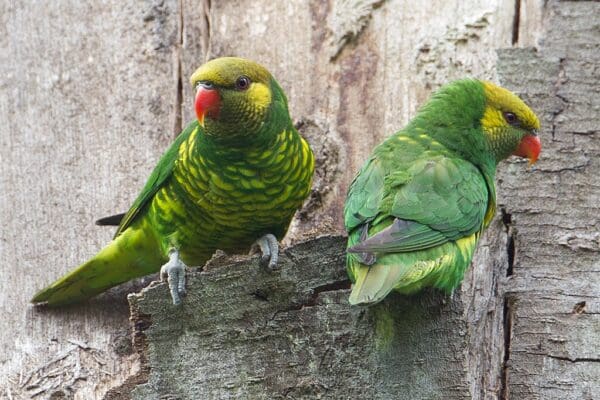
(501, 101)
(225, 70)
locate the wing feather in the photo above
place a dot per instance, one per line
(438, 200)
(161, 173)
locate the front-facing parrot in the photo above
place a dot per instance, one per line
(416, 209)
(232, 180)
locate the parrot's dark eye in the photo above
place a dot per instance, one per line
(511, 118)
(242, 83)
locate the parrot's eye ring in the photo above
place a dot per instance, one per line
(205, 84)
(511, 118)
(242, 83)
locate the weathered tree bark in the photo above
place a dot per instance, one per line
(93, 94)
(553, 214)
(89, 102)
(246, 332)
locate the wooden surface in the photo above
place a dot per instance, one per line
(553, 289)
(89, 102)
(93, 94)
(245, 332)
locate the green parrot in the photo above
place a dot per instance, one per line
(416, 209)
(232, 180)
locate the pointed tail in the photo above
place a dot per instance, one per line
(132, 254)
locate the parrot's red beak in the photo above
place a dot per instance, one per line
(529, 148)
(208, 102)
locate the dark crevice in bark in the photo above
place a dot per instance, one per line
(330, 287)
(306, 301)
(508, 303)
(510, 249)
(516, 21)
(261, 295)
(311, 300)
(510, 240)
(574, 168)
(506, 217)
(579, 308)
(178, 126)
(563, 101)
(507, 306)
(507, 316)
(573, 360)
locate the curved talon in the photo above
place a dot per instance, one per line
(174, 271)
(269, 247)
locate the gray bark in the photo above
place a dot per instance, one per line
(246, 332)
(554, 283)
(93, 94)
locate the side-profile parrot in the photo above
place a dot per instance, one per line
(232, 180)
(416, 209)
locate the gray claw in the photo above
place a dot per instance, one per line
(269, 247)
(174, 271)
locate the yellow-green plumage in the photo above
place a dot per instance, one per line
(219, 186)
(229, 206)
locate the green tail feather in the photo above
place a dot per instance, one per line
(132, 254)
(374, 283)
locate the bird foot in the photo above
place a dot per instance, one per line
(269, 247)
(174, 271)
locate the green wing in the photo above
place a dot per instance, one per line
(365, 195)
(159, 175)
(433, 201)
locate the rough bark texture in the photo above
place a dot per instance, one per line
(93, 94)
(553, 312)
(244, 332)
(89, 102)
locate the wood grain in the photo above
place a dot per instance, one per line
(89, 99)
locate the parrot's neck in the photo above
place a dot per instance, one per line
(468, 144)
(452, 118)
(233, 148)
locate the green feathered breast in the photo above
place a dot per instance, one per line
(224, 199)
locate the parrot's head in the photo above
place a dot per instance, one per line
(481, 121)
(509, 125)
(237, 98)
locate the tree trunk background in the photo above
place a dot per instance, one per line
(92, 94)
